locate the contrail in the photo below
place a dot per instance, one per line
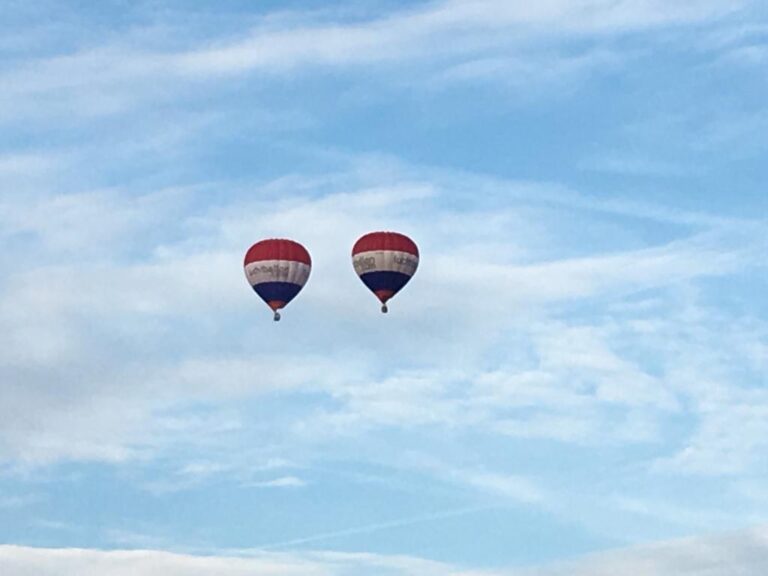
(377, 527)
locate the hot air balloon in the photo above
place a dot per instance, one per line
(385, 262)
(277, 269)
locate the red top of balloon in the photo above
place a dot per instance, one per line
(278, 249)
(385, 241)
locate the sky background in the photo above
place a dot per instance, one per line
(575, 381)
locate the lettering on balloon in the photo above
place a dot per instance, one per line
(364, 264)
(406, 261)
(274, 271)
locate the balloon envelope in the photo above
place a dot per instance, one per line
(277, 270)
(385, 262)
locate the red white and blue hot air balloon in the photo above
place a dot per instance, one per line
(277, 270)
(385, 262)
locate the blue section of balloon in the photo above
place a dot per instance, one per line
(392, 281)
(277, 291)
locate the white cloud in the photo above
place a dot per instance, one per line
(457, 39)
(77, 307)
(15, 502)
(469, 25)
(281, 482)
(736, 554)
(16, 561)
(26, 164)
(527, 365)
(731, 439)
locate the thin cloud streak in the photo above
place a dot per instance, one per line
(376, 527)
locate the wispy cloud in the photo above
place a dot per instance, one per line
(151, 290)
(281, 482)
(466, 39)
(14, 502)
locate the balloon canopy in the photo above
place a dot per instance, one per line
(277, 269)
(385, 262)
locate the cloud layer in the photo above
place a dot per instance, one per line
(743, 554)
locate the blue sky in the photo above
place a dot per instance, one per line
(573, 383)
